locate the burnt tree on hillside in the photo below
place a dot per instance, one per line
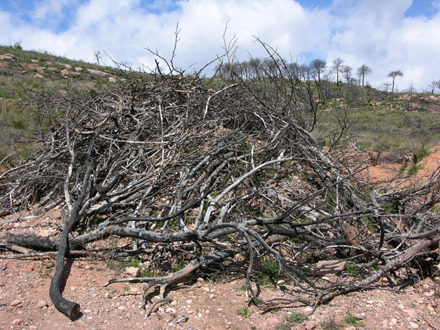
(393, 75)
(346, 73)
(336, 67)
(364, 71)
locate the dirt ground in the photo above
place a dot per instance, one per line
(387, 170)
(25, 302)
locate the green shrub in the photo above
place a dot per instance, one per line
(350, 319)
(133, 263)
(297, 318)
(421, 153)
(351, 269)
(283, 326)
(267, 270)
(245, 312)
(414, 169)
(179, 266)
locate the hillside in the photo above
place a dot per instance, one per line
(24, 74)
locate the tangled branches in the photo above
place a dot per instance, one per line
(223, 169)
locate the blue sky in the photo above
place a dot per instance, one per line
(386, 35)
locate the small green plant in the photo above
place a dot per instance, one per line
(179, 266)
(351, 269)
(133, 263)
(283, 326)
(371, 226)
(268, 271)
(421, 153)
(148, 273)
(245, 312)
(126, 288)
(330, 324)
(350, 319)
(110, 264)
(237, 141)
(414, 169)
(297, 318)
(242, 288)
(392, 206)
(271, 265)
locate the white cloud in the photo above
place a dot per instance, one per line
(49, 8)
(371, 32)
(377, 34)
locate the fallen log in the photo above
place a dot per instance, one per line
(39, 243)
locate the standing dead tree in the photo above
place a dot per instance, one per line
(160, 160)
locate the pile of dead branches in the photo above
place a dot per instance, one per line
(217, 169)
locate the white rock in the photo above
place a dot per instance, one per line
(361, 316)
(64, 72)
(41, 304)
(308, 310)
(16, 302)
(7, 57)
(98, 73)
(133, 271)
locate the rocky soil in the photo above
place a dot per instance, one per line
(25, 304)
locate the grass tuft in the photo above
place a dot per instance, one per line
(245, 312)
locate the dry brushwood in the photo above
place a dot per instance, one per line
(191, 167)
